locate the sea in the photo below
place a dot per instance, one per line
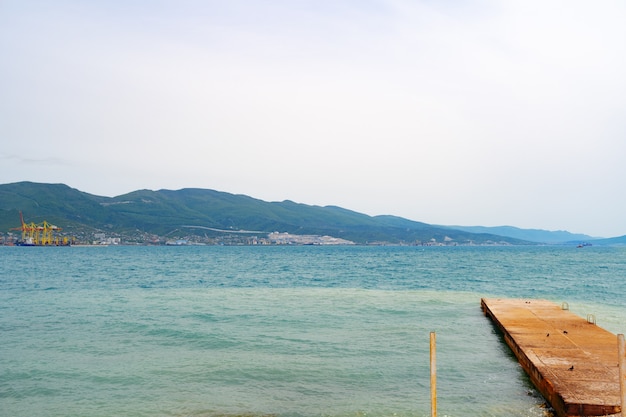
(281, 331)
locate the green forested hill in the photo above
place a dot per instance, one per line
(196, 211)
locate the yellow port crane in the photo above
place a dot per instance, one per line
(42, 234)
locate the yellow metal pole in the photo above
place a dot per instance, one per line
(433, 374)
(621, 351)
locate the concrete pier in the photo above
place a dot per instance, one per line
(572, 362)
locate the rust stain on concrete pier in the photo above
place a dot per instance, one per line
(573, 363)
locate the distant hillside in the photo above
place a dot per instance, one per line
(613, 241)
(202, 212)
(531, 235)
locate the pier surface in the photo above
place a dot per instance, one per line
(573, 363)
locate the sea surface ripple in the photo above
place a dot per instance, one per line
(300, 331)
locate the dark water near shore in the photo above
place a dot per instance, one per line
(288, 331)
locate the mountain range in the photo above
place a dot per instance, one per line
(219, 217)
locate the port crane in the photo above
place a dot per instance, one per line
(42, 234)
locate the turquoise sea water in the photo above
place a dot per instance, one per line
(287, 331)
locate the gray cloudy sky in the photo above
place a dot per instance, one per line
(448, 112)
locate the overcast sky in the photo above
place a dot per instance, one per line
(448, 112)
